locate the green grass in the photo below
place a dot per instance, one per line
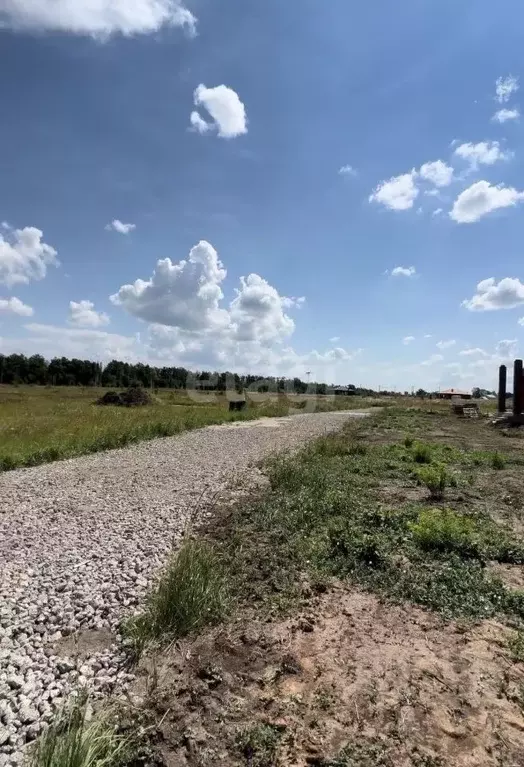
(42, 424)
(191, 593)
(516, 646)
(259, 744)
(324, 515)
(75, 740)
(436, 478)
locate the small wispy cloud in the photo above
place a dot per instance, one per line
(403, 271)
(347, 170)
(408, 340)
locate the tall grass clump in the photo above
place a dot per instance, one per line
(190, 594)
(421, 453)
(75, 740)
(436, 478)
(498, 461)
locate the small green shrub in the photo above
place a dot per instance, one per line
(191, 593)
(408, 441)
(516, 646)
(258, 745)
(75, 740)
(446, 531)
(422, 453)
(498, 461)
(435, 478)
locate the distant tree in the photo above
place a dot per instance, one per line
(421, 393)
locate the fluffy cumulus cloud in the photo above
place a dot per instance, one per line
(437, 172)
(227, 112)
(24, 256)
(403, 271)
(347, 170)
(505, 87)
(482, 198)
(504, 115)
(96, 18)
(446, 344)
(491, 295)
(398, 193)
(118, 226)
(191, 323)
(13, 305)
(257, 313)
(82, 314)
(408, 340)
(184, 295)
(483, 153)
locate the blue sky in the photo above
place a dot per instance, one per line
(347, 197)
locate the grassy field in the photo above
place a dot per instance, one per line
(42, 424)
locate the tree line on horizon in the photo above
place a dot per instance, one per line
(62, 371)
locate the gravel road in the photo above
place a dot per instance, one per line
(80, 542)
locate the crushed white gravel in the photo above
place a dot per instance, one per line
(81, 541)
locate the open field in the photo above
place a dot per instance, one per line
(368, 608)
(41, 424)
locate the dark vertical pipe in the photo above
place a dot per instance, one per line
(517, 387)
(502, 388)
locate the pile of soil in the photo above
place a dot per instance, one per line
(132, 397)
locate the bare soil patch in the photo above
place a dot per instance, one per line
(398, 684)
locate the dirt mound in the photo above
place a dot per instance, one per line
(132, 397)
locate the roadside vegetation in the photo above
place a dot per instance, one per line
(413, 514)
(42, 424)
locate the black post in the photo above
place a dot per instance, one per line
(502, 388)
(517, 388)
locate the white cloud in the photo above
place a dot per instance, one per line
(118, 226)
(482, 198)
(507, 349)
(13, 305)
(408, 340)
(52, 341)
(224, 106)
(198, 123)
(96, 18)
(490, 295)
(476, 352)
(505, 88)
(184, 295)
(521, 321)
(399, 193)
(24, 257)
(257, 313)
(483, 153)
(83, 314)
(5, 225)
(334, 340)
(432, 360)
(403, 271)
(503, 115)
(437, 172)
(437, 212)
(347, 170)
(445, 344)
(428, 335)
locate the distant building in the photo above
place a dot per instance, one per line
(344, 391)
(450, 393)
